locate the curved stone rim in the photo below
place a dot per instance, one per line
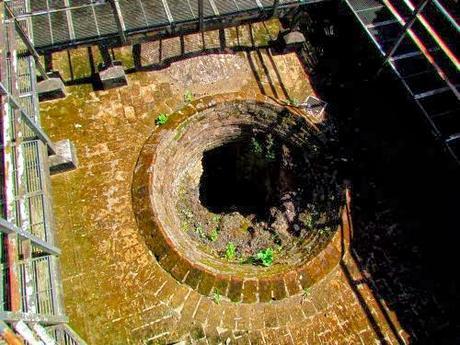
(260, 288)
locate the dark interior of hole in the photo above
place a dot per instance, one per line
(239, 178)
(227, 184)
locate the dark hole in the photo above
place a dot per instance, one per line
(241, 176)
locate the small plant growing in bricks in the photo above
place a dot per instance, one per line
(161, 119)
(199, 230)
(324, 231)
(306, 219)
(214, 234)
(305, 294)
(230, 251)
(216, 296)
(256, 147)
(265, 257)
(270, 148)
(188, 96)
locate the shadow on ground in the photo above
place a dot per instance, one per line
(405, 190)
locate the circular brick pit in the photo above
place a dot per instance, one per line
(176, 169)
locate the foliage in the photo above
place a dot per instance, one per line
(161, 119)
(188, 96)
(187, 213)
(230, 251)
(216, 296)
(214, 234)
(307, 219)
(270, 148)
(256, 147)
(265, 257)
(199, 230)
(324, 231)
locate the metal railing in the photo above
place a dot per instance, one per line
(30, 289)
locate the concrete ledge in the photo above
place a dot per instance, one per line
(49, 89)
(65, 158)
(113, 76)
(288, 41)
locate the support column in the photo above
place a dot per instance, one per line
(111, 73)
(201, 14)
(119, 19)
(276, 4)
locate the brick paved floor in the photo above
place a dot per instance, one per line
(115, 291)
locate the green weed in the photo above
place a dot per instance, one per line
(188, 96)
(216, 296)
(265, 257)
(161, 119)
(214, 234)
(230, 251)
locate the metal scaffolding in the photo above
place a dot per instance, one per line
(31, 293)
(419, 41)
(62, 24)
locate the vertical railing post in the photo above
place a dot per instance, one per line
(119, 20)
(201, 14)
(26, 40)
(276, 4)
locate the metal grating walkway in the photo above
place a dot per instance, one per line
(30, 290)
(64, 23)
(426, 61)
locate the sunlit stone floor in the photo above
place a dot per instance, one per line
(115, 292)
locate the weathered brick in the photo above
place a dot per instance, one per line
(292, 283)
(221, 284)
(265, 290)
(193, 278)
(180, 270)
(234, 289)
(279, 288)
(206, 284)
(249, 291)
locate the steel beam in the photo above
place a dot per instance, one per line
(119, 19)
(201, 14)
(10, 316)
(404, 30)
(26, 40)
(28, 120)
(8, 228)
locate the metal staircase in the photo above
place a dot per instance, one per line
(418, 39)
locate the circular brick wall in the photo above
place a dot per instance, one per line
(177, 147)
